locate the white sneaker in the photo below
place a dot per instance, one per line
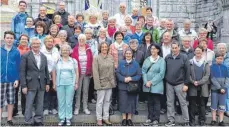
(87, 112)
(76, 112)
(46, 112)
(61, 123)
(68, 122)
(54, 112)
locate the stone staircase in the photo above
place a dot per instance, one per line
(90, 120)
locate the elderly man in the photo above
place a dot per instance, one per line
(134, 16)
(19, 20)
(10, 61)
(42, 16)
(70, 26)
(186, 48)
(187, 31)
(34, 79)
(161, 28)
(178, 64)
(121, 15)
(105, 15)
(222, 48)
(63, 13)
(170, 29)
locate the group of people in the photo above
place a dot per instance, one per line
(124, 59)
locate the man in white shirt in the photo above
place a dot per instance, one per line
(121, 15)
(187, 31)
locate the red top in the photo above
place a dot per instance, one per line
(75, 54)
(22, 49)
(210, 44)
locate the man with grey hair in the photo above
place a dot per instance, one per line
(34, 80)
(222, 48)
(120, 16)
(63, 13)
(186, 47)
(187, 31)
(105, 15)
(134, 16)
(42, 16)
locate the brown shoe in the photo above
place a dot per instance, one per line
(99, 123)
(107, 122)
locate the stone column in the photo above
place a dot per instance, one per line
(225, 29)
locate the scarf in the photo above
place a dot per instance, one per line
(111, 31)
(118, 46)
(154, 60)
(198, 63)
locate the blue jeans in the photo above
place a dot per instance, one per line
(218, 101)
(65, 94)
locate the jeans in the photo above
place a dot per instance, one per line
(154, 106)
(218, 101)
(193, 107)
(103, 104)
(171, 91)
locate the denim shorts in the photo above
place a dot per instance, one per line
(218, 101)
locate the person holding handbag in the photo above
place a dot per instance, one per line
(153, 72)
(128, 76)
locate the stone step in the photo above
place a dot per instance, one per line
(116, 118)
(91, 106)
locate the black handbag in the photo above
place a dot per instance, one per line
(132, 87)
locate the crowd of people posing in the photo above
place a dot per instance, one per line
(59, 63)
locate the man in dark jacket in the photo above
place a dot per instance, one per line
(10, 66)
(186, 48)
(63, 13)
(43, 17)
(70, 26)
(34, 79)
(177, 79)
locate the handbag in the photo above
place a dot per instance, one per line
(132, 87)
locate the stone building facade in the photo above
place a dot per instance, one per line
(199, 11)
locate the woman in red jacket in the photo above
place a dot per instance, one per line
(203, 35)
(83, 54)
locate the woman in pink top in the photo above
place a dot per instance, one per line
(118, 48)
(203, 35)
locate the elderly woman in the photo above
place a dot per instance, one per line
(62, 36)
(118, 48)
(128, 72)
(103, 36)
(153, 71)
(93, 24)
(203, 35)
(222, 48)
(198, 88)
(128, 24)
(93, 44)
(208, 54)
(52, 55)
(53, 30)
(65, 81)
(22, 48)
(82, 53)
(127, 35)
(104, 80)
(111, 27)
